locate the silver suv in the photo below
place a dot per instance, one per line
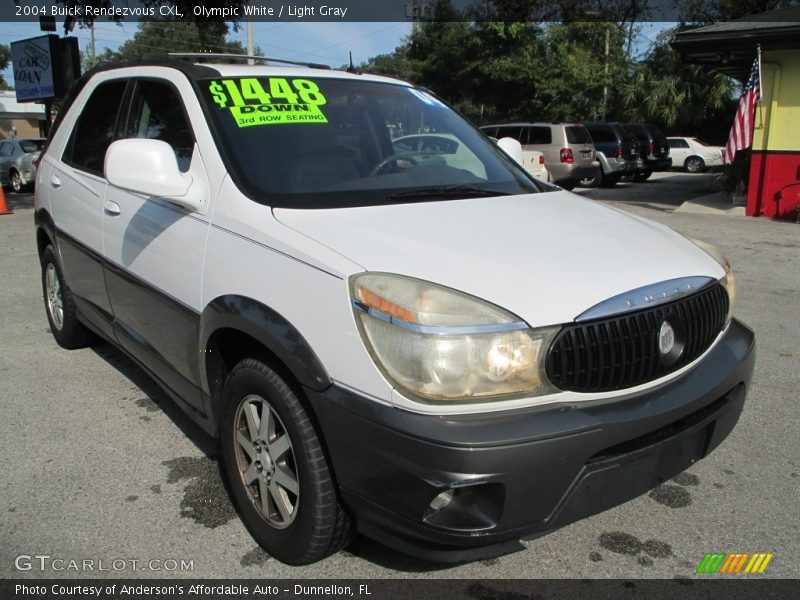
(567, 147)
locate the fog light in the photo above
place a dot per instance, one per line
(466, 508)
(442, 500)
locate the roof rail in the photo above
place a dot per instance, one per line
(198, 56)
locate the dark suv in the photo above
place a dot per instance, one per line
(654, 149)
(617, 151)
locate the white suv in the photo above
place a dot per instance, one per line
(444, 357)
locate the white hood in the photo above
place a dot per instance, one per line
(545, 257)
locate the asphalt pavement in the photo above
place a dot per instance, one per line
(98, 465)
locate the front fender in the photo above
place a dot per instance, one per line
(271, 330)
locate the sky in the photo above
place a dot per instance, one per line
(328, 43)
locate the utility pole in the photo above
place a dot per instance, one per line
(91, 44)
(605, 78)
(250, 50)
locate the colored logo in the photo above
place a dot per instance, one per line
(735, 563)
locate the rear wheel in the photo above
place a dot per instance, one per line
(59, 305)
(276, 470)
(609, 180)
(695, 164)
(568, 185)
(592, 181)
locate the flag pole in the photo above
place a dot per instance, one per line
(760, 89)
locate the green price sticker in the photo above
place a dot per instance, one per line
(295, 101)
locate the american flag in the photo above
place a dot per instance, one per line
(741, 135)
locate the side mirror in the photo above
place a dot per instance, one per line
(513, 148)
(149, 167)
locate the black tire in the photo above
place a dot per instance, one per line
(568, 185)
(609, 180)
(280, 482)
(16, 182)
(695, 164)
(642, 176)
(60, 306)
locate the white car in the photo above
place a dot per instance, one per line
(693, 155)
(444, 357)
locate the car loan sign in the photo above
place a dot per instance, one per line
(33, 68)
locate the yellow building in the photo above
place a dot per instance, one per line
(773, 188)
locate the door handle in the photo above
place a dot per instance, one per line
(55, 181)
(111, 208)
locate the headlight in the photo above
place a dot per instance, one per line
(727, 280)
(440, 345)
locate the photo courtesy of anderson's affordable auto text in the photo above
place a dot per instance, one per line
(330, 301)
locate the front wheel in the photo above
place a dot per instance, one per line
(276, 469)
(642, 176)
(695, 164)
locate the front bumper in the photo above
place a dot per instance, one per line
(522, 473)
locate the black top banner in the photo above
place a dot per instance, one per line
(85, 11)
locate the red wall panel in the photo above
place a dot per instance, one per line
(773, 189)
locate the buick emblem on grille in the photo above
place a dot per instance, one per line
(666, 338)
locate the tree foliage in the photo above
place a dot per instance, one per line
(5, 58)
(674, 95)
(170, 36)
(575, 70)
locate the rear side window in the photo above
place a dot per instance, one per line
(94, 130)
(6, 149)
(512, 132)
(157, 114)
(540, 135)
(602, 134)
(627, 134)
(639, 132)
(577, 134)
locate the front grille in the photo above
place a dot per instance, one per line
(623, 351)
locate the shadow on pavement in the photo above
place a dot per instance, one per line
(662, 190)
(18, 201)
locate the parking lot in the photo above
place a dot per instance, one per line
(99, 465)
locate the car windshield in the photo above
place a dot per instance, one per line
(31, 145)
(326, 142)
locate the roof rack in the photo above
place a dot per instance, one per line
(197, 56)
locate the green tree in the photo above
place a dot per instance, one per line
(5, 58)
(676, 96)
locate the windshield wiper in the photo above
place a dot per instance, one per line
(446, 191)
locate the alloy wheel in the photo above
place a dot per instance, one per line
(54, 302)
(266, 462)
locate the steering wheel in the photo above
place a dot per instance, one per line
(393, 158)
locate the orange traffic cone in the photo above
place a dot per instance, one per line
(4, 210)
